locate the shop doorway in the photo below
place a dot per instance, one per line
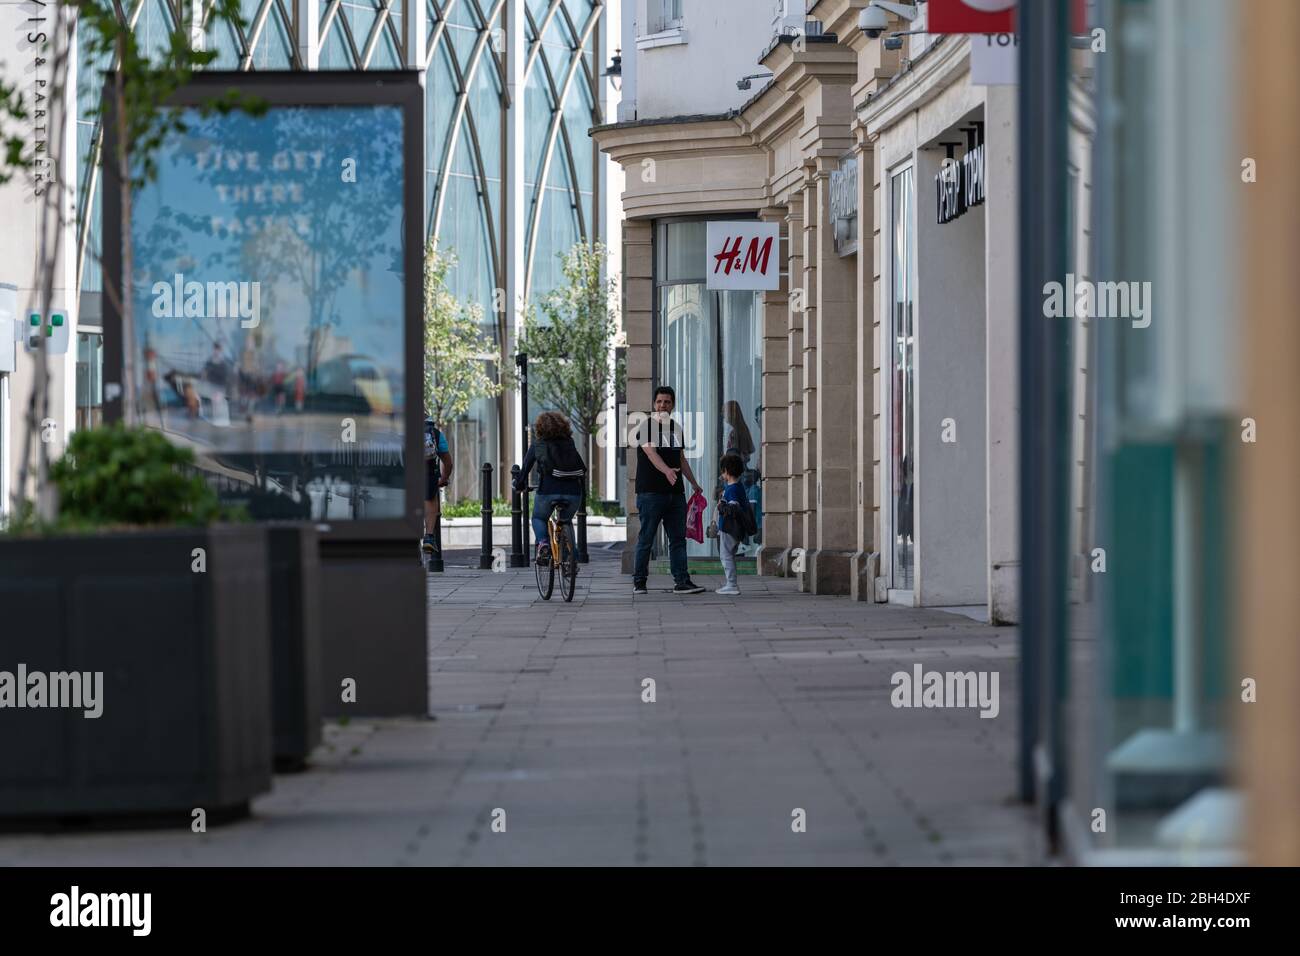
(709, 348)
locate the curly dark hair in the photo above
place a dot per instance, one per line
(552, 425)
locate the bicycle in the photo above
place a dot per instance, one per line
(564, 556)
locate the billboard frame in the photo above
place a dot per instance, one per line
(401, 88)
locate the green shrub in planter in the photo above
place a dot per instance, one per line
(130, 476)
(170, 613)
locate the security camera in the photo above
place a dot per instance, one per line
(874, 19)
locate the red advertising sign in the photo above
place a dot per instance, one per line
(989, 16)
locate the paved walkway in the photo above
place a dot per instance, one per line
(765, 705)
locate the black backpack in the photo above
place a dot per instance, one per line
(559, 459)
(748, 523)
(738, 519)
(432, 438)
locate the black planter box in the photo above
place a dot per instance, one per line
(186, 664)
(295, 643)
(373, 631)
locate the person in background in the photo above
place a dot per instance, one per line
(738, 439)
(278, 387)
(561, 470)
(437, 472)
(660, 494)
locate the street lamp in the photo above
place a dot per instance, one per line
(615, 71)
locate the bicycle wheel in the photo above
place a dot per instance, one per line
(568, 565)
(545, 577)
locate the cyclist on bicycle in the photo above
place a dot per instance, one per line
(562, 470)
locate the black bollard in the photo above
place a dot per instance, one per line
(526, 528)
(583, 557)
(435, 559)
(485, 553)
(517, 558)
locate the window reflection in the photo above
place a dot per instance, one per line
(711, 353)
(903, 206)
(269, 307)
(90, 379)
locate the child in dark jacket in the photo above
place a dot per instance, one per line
(730, 523)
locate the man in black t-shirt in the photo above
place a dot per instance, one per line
(660, 493)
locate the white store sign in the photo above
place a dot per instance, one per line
(743, 255)
(994, 59)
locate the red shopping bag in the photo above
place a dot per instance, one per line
(695, 509)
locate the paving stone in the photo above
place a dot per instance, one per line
(764, 703)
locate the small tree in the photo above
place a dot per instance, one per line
(456, 351)
(569, 339)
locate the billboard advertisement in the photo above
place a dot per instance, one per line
(270, 302)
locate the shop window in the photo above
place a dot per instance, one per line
(710, 352)
(90, 379)
(663, 15)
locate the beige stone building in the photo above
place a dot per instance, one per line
(1157, 722)
(881, 372)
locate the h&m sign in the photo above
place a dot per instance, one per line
(743, 255)
(959, 184)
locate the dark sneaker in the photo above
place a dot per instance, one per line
(426, 544)
(638, 587)
(688, 587)
(543, 554)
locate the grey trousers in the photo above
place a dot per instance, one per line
(727, 545)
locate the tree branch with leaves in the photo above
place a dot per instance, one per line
(457, 352)
(142, 83)
(569, 337)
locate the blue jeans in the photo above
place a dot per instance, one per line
(542, 505)
(670, 510)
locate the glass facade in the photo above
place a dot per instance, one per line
(467, 115)
(710, 352)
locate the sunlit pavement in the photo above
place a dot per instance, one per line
(769, 711)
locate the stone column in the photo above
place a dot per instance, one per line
(638, 321)
(795, 316)
(866, 559)
(880, 424)
(835, 399)
(774, 458)
(1002, 350)
(808, 346)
